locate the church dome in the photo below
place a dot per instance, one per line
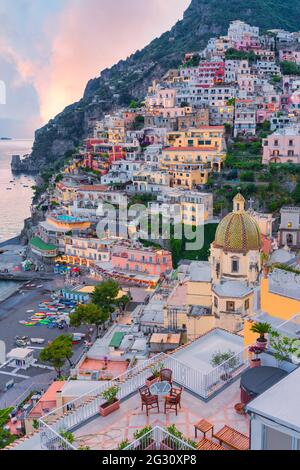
(238, 232)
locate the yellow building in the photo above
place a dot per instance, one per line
(86, 251)
(186, 309)
(191, 155)
(65, 193)
(117, 135)
(280, 300)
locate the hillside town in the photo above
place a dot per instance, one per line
(178, 220)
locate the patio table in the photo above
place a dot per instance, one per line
(160, 389)
(204, 427)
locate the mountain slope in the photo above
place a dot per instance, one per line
(130, 78)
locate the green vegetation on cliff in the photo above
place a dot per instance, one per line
(130, 78)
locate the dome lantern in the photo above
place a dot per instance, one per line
(239, 203)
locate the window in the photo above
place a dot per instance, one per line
(276, 440)
(247, 304)
(230, 306)
(216, 303)
(235, 266)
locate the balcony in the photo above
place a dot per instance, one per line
(82, 415)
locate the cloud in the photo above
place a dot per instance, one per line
(64, 43)
(95, 34)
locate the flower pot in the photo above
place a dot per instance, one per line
(266, 271)
(240, 408)
(295, 359)
(108, 408)
(225, 377)
(152, 380)
(255, 363)
(262, 343)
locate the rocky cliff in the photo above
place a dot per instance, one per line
(130, 78)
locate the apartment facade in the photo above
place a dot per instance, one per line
(283, 146)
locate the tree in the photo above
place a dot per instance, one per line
(105, 296)
(296, 194)
(227, 360)
(133, 104)
(58, 352)
(5, 438)
(90, 314)
(290, 68)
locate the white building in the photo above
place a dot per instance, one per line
(21, 358)
(238, 29)
(275, 416)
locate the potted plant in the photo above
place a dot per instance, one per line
(155, 371)
(295, 357)
(123, 445)
(68, 436)
(111, 402)
(227, 360)
(240, 408)
(146, 441)
(255, 361)
(265, 264)
(283, 347)
(168, 443)
(262, 329)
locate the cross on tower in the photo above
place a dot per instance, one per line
(251, 202)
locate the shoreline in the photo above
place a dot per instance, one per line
(12, 241)
(18, 284)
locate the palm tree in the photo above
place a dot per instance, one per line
(262, 329)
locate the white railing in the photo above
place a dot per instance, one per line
(225, 372)
(78, 411)
(159, 439)
(81, 409)
(51, 440)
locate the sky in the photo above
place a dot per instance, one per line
(49, 49)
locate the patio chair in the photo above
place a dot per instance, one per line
(150, 402)
(176, 392)
(145, 390)
(166, 375)
(173, 401)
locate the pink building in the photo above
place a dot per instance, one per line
(248, 42)
(289, 55)
(142, 260)
(206, 73)
(283, 146)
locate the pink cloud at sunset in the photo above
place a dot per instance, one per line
(95, 34)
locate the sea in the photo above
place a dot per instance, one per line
(15, 197)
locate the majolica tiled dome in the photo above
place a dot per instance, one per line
(238, 232)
